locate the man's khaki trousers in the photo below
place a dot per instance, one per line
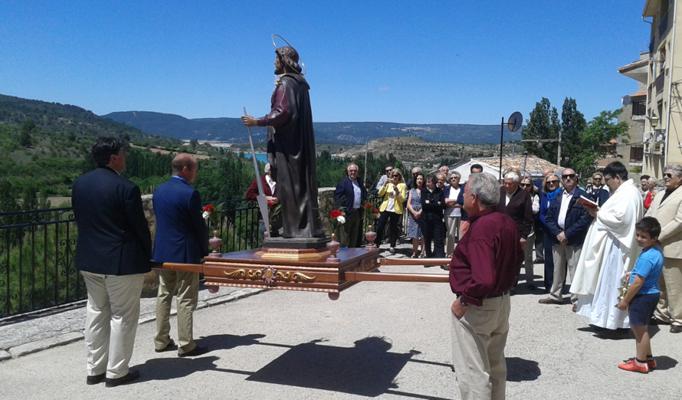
(669, 307)
(185, 286)
(478, 341)
(112, 313)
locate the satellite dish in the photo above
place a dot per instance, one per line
(515, 121)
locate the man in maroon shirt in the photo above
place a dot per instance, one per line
(484, 266)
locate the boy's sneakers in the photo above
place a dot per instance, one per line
(650, 362)
(633, 365)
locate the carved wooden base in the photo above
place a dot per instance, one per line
(289, 269)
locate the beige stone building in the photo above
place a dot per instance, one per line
(662, 140)
(630, 150)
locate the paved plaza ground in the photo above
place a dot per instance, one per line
(379, 340)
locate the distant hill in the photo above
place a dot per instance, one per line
(232, 130)
(45, 146)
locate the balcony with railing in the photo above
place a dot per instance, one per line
(37, 248)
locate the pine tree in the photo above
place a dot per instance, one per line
(543, 123)
(572, 125)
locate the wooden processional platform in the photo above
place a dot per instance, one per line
(304, 270)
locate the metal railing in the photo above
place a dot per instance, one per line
(37, 249)
(36, 260)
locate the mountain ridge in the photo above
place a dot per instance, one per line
(231, 129)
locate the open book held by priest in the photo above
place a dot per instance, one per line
(588, 203)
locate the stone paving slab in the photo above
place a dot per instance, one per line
(51, 329)
(62, 325)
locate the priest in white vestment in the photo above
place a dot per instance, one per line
(609, 251)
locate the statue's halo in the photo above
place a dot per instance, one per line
(279, 41)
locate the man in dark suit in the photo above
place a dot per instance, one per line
(351, 194)
(567, 223)
(181, 237)
(112, 253)
(516, 203)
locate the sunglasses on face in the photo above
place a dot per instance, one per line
(524, 184)
(568, 176)
(553, 182)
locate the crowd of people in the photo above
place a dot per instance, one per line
(588, 239)
(612, 250)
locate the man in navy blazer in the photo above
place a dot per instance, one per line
(182, 237)
(567, 223)
(351, 194)
(112, 252)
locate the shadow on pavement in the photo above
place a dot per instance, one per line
(226, 342)
(607, 334)
(519, 370)
(159, 369)
(665, 362)
(368, 369)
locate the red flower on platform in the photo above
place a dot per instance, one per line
(209, 208)
(334, 214)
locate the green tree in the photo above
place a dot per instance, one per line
(572, 125)
(543, 124)
(594, 140)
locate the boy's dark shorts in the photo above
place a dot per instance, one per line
(641, 308)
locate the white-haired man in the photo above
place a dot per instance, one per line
(484, 267)
(350, 194)
(667, 208)
(517, 204)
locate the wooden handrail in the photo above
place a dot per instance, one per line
(389, 277)
(431, 262)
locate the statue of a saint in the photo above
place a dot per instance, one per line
(291, 153)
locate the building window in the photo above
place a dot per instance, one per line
(636, 154)
(639, 107)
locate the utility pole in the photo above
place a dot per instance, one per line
(558, 150)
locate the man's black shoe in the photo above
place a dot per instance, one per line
(95, 379)
(131, 376)
(170, 346)
(197, 351)
(675, 328)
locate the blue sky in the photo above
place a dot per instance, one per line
(400, 61)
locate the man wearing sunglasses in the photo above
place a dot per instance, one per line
(567, 223)
(666, 207)
(599, 192)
